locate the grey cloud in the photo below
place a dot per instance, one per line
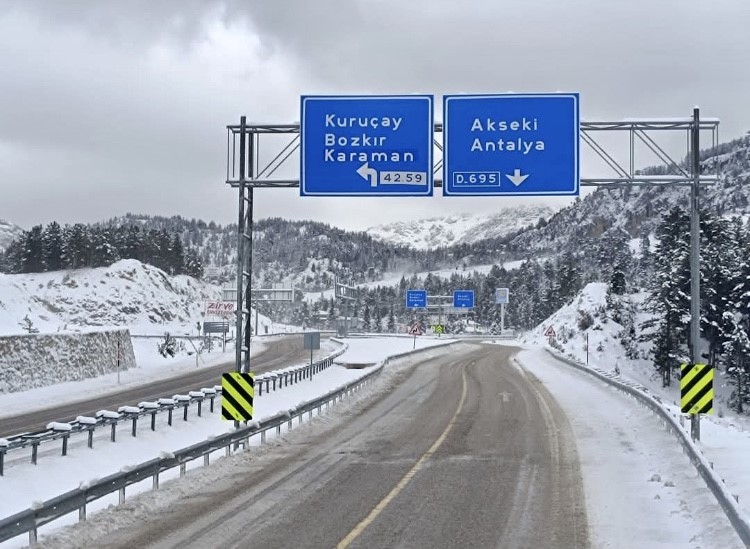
(92, 126)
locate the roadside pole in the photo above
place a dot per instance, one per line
(695, 292)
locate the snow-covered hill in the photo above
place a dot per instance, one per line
(8, 233)
(128, 293)
(638, 210)
(466, 228)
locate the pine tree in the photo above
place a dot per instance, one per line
(367, 320)
(77, 246)
(33, 254)
(103, 251)
(52, 247)
(391, 321)
(193, 264)
(669, 296)
(617, 283)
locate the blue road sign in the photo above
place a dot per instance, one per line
(511, 145)
(366, 145)
(463, 298)
(416, 299)
(502, 296)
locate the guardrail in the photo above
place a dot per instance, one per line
(728, 504)
(30, 520)
(106, 418)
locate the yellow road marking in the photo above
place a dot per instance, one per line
(354, 534)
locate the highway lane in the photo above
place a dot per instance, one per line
(279, 353)
(463, 450)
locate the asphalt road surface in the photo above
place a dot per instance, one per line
(279, 353)
(462, 450)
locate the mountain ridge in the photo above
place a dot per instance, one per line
(464, 228)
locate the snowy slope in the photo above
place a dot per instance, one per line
(725, 435)
(8, 233)
(465, 228)
(128, 293)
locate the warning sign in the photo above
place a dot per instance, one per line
(550, 333)
(415, 330)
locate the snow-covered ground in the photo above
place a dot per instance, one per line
(128, 294)
(24, 483)
(641, 490)
(725, 436)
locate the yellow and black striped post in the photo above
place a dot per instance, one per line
(237, 392)
(697, 389)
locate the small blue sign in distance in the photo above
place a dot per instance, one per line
(366, 145)
(511, 144)
(463, 298)
(416, 299)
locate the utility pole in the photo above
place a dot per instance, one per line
(695, 289)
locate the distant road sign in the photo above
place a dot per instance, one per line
(216, 327)
(366, 145)
(463, 299)
(224, 309)
(550, 333)
(502, 296)
(312, 341)
(438, 328)
(513, 144)
(415, 330)
(416, 299)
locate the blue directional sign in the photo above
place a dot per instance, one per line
(366, 145)
(511, 144)
(463, 298)
(416, 299)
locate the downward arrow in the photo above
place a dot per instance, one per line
(516, 178)
(369, 173)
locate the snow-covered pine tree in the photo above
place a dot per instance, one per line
(33, 254)
(52, 247)
(367, 319)
(669, 293)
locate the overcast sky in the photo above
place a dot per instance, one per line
(113, 107)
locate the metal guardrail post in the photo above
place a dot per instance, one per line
(34, 450)
(135, 425)
(153, 421)
(155, 482)
(65, 445)
(90, 437)
(113, 436)
(82, 511)
(122, 495)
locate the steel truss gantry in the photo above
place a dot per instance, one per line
(640, 131)
(245, 171)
